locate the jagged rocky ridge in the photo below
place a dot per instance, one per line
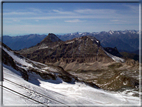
(27, 67)
(82, 49)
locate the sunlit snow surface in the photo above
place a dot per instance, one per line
(16, 58)
(71, 94)
(55, 92)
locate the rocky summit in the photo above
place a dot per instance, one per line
(49, 39)
(82, 49)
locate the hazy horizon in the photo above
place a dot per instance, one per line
(59, 33)
(62, 18)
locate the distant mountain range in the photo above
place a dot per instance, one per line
(127, 40)
(21, 42)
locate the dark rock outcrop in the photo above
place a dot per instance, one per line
(8, 60)
(83, 49)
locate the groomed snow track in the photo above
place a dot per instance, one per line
(46, 97)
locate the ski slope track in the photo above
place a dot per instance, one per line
(40, 92)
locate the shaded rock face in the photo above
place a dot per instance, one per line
(38, 68)
(8, 60)
(45, 72)
(113, 51)
(49, 39)
(83, 49)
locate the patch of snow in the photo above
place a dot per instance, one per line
(55, 46)
(123, 32)
(115, 58)
(111, 32)
(69, 42)
(43, 47)
(77, 94)
(95, 96)
(16, 58)
(49, 68)
(97, 41)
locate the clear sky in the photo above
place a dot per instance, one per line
(44, 18)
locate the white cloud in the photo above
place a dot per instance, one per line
(16, 20)
(37, 20)
(63, 12)
(94, 17)
(114, 20)
(35, 10)
(133, 8)
(62, 17)
(95, 11)
(75, 20)
(19, 13)
(43, 29)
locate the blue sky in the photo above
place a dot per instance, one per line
(44, 18)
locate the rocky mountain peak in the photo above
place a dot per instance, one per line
(50, 39)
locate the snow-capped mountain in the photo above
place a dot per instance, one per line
(127, 40)
(30, 83)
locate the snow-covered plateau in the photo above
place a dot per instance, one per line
(42, 92)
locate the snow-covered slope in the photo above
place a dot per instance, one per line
(38, 91)
(115, 58)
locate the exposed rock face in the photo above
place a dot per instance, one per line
(50, 72)
(110, 76)
(8, 60)
(83, 49)
(81, 59)
(27, 68)
(86, 60)
(113, 51)
(49, 39)
(132, 62)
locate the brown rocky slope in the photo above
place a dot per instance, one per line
(87, 60)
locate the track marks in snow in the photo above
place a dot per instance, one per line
(32, 94)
